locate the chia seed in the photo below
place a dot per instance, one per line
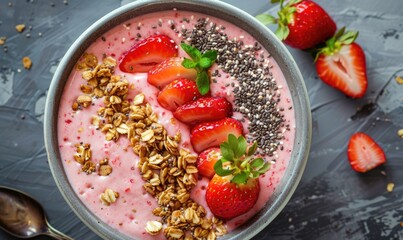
(257, 94)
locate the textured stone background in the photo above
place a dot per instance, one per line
(331, 202)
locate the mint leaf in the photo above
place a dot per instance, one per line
(191, 51)
(210, 54)
(187, 63)
(220, 171)
(240, 178)
(203, 82)
(205, 62)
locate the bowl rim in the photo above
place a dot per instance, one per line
(282, 56)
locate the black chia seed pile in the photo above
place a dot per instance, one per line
(256, 93)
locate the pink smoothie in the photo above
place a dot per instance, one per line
(134, 206)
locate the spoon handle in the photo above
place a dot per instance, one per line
(52, 232)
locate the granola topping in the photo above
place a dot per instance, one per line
(169, 171)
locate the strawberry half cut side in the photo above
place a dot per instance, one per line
(364, 153)
(207, 160)
(147, 53)
(169, 70)
(212, 134)
(341, 64)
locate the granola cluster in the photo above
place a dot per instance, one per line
(169, 171)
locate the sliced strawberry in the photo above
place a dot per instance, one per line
(206, 161)
(147, 53)
(169, 70)
(204, 109)
(341, 64)
(364, 153)
(177, 93)
(212, 134)
(228, 200)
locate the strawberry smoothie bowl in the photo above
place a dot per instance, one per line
(177, 120)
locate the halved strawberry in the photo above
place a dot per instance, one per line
(147, 53)
(169, 70)
(206, 161)
(177, 93)
(341, 64)
(212, 134)
(204, 109)
(364, 153)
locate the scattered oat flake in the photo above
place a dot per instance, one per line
(26, 61)
(390, 187)
(20, 27)
(399, 79)
(400, 133)
(3, 40)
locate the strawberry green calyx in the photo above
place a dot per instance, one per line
(238, 160)
(200, 62)
(285, 17)
(334, 43)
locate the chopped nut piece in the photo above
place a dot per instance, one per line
(390, 187)
(3, 40)
(88, 167)
(399, 79)
(104, 170)
(109, 196)
(153, 227)
(138, 99)
(26, 62)
(20, 27)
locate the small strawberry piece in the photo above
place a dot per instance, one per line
(212, 134)
(206, 161)
(177, 93)
(204, 109)
(364, 153)
(169, 70)
(341, 64)
(147, 53)
(228, 200)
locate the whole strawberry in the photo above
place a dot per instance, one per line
(341, 64)
(235, 188)
(302, 24)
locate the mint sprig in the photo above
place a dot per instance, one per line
(238, 160)
(200, 62)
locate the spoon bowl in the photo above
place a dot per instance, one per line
(23, 217)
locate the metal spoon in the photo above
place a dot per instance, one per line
(24, 217)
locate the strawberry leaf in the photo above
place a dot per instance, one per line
(252, 149)
(220, 171)
(203, 82)
(264, 168)
(240, 178)
(226, 151)
(266, 19)
(257, 163)
(241, 147)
